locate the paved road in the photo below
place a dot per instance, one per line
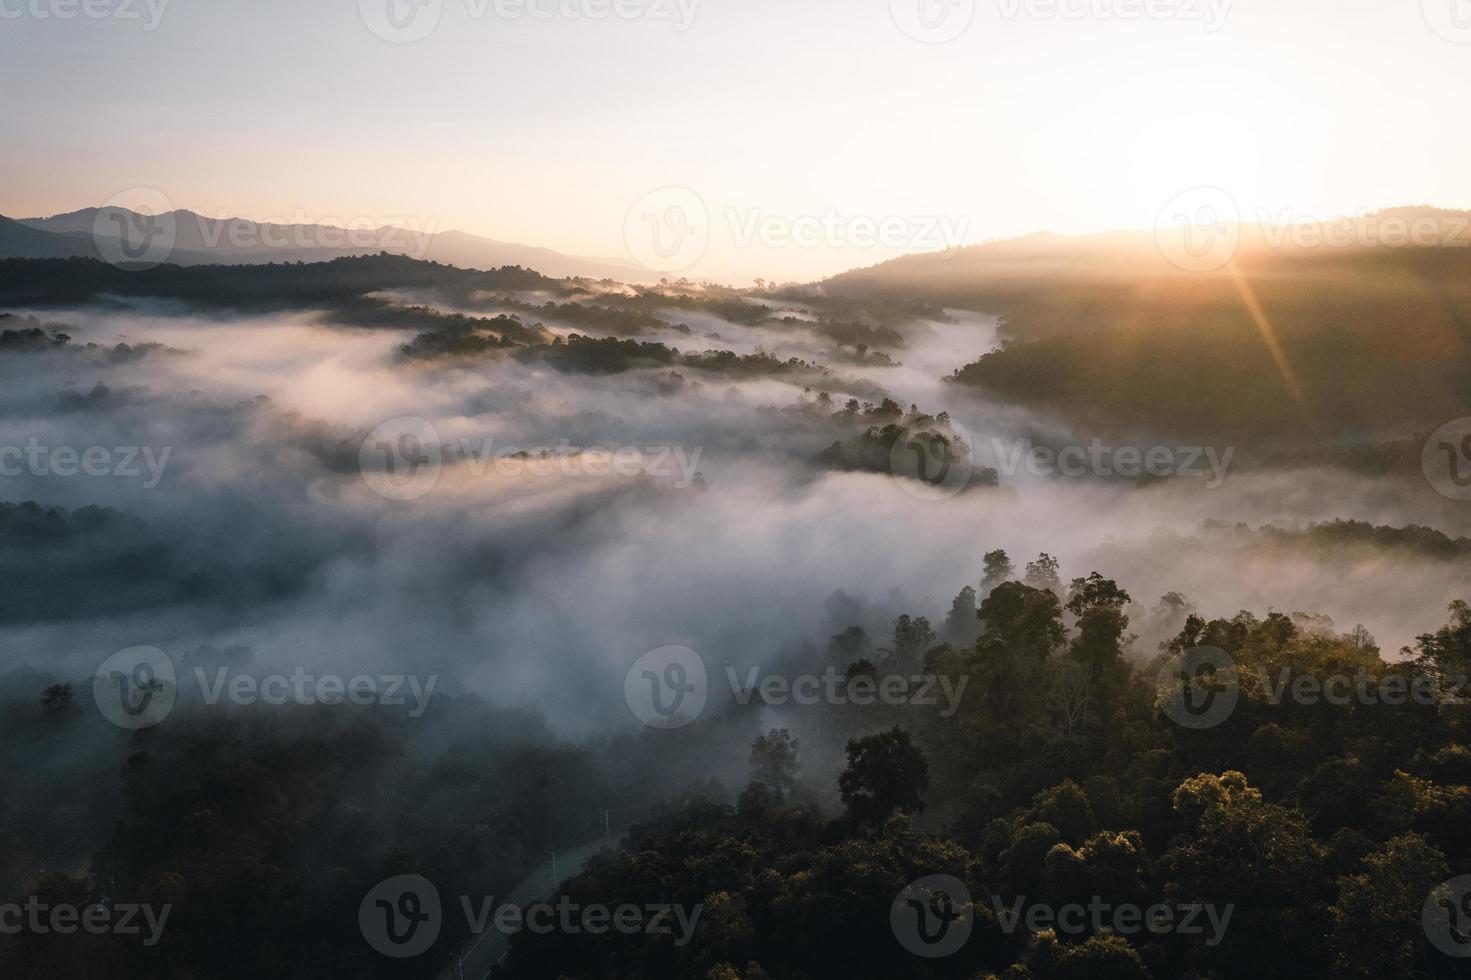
(479, 956)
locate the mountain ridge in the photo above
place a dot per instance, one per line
(199, 239)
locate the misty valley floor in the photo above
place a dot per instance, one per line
(385, 554)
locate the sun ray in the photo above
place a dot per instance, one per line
(1269, 335)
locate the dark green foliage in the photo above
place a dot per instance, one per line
(774, 762)
(996, 568)
(1322, 827)
(886, 774)
(1058, 779)
(273, 286)
(873, 450)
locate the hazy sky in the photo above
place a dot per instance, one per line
(814, 117)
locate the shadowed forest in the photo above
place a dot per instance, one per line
(989, 508)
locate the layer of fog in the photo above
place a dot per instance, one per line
(542, 590)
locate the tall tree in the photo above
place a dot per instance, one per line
(1043, 573)
(996, 568)
(886, 774)
(774, 761)
(962, 626)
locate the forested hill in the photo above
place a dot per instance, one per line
(270, 286)
(1285, 340)
(1046, 283)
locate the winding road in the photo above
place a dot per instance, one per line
(482, 952)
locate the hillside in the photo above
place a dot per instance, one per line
(21, 241)
(1286, 340)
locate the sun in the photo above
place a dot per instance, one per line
(1163, 150)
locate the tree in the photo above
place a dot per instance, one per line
(58, 697)
(1376, 920)
(1093, 592)
(996, 568)
(1239, 849)
(1321, 865)
(1099, 604)
(1169, 613)
(1446, 653)
(774, 761)
(1102, 956)
(1361, 639)
(912, 638)
(1043, 573)
(886, 773)
(1173, 605)
(1022, 622)
(1066, 807)
(1187, 638)
(962, 626)
(725, 929)
(850, 645)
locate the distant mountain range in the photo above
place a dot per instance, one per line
(200, 240)
(993, 276)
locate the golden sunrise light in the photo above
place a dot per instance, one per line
(735, 489)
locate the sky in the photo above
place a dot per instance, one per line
(729, 139)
